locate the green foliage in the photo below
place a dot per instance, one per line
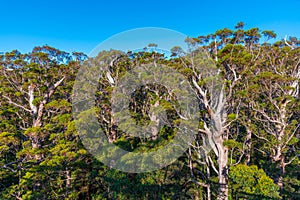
(250, 180)
(47, 160)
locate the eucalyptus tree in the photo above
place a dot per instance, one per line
(36, 89)
(248, 98)
(226, 141)
(275, 101)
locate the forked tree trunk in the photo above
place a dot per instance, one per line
(38, 115)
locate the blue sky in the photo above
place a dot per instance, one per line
(73, 25)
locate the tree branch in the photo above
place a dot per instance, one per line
(292, 159)
(13, 103)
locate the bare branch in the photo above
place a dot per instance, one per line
(292, 160)
(198, 183)
(285, 41)
(31, 98)
(18, 105)
(262, 138)
(291, 136)
(213, 165)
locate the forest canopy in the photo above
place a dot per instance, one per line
(252, 150)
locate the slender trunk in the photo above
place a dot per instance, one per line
(197, 195)
(281, 166)
(68, 175)
(35, 138)
(154, 118)
(248, 147)
(112, 131)
(208, 180)
(208, 192)
(279, 157)
(223, 173)
(37, 115)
